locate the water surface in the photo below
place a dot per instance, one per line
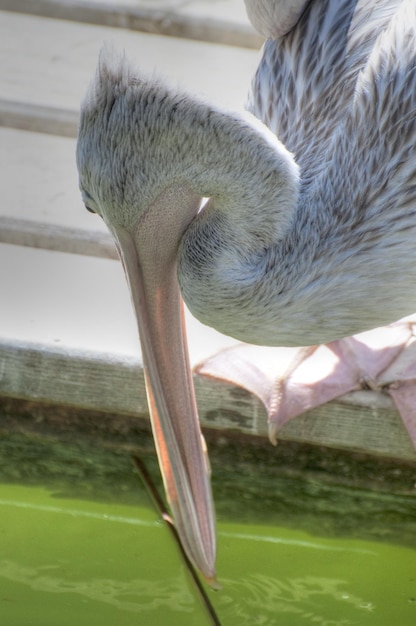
(78, 561)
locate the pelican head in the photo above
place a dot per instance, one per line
(146, 209)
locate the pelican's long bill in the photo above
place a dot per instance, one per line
(150, 267)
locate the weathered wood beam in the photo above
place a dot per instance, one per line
(38, 118)
(50, 63)
(112, 384)
(159, 20)
(21, 232)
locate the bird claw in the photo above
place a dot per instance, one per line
(273, 433)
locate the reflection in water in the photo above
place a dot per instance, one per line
(135, 596)
(261, 596)
(315, 545)
(47, 508)
(302, 597)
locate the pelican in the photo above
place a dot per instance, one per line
(308, 233)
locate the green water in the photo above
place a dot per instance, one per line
(77, 562)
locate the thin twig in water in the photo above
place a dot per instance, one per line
(161, 509)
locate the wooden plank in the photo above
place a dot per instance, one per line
(341, 424)
(51, 62)
(41, 203)
(57, 299)
(90, 381)
(354, 427)
(50, 237)
(222, 22)
(39, 183)
(39, 119)
(76, 378)
(82, 303)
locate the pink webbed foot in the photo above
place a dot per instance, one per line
(290, 381)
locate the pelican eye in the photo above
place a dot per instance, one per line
(89, 201)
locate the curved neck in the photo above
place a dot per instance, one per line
(253, 187)
(251, 180)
